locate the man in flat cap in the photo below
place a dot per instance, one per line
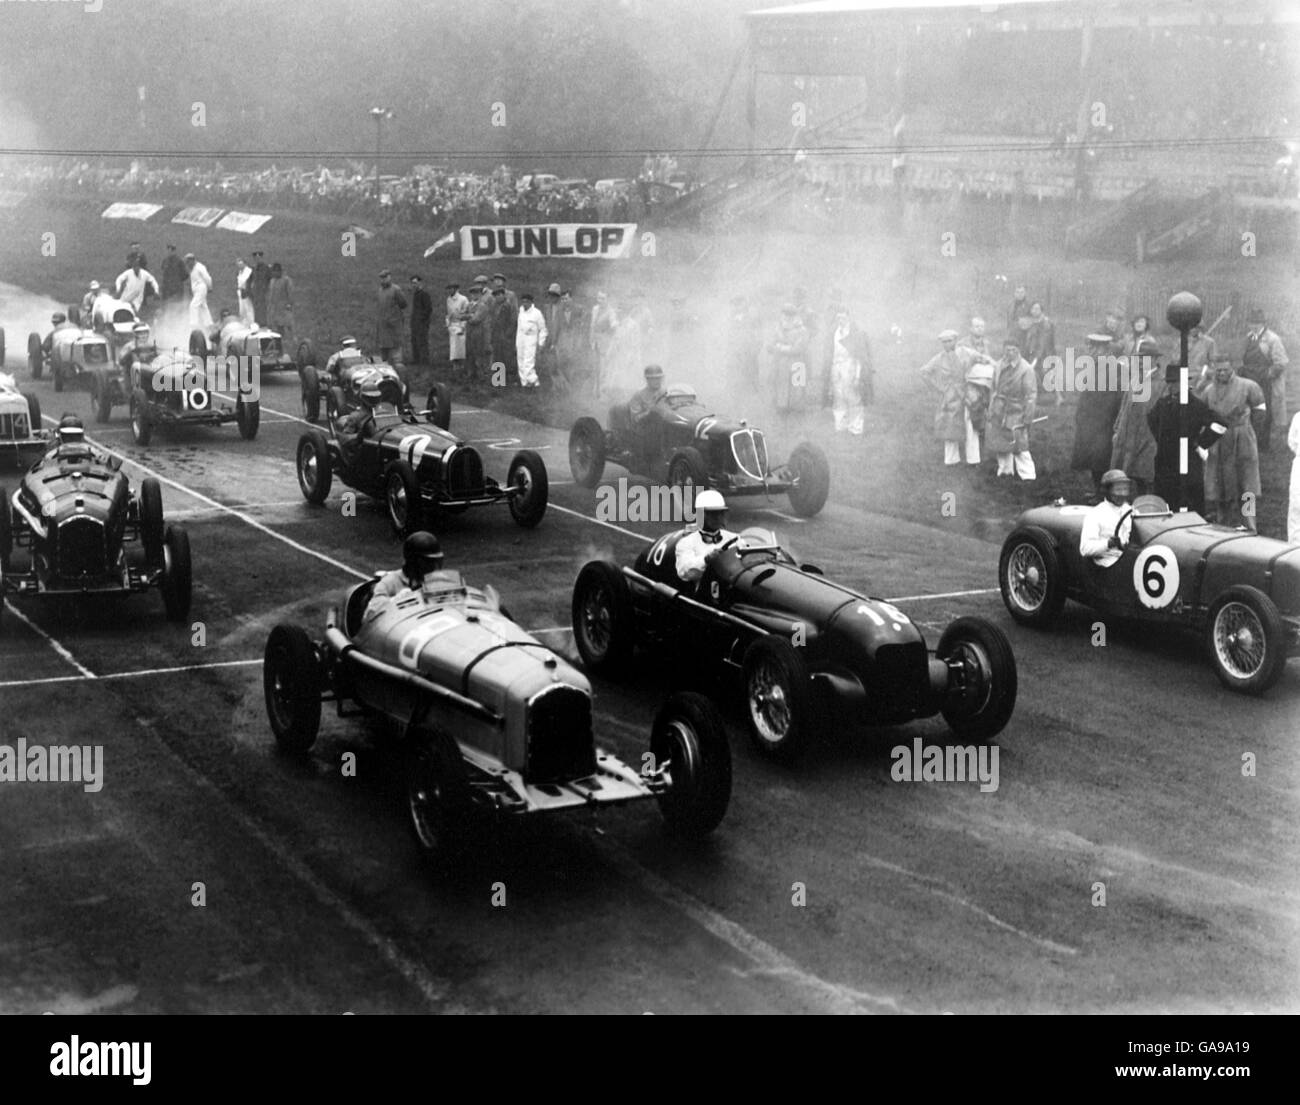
(1012, 404)
(1095, 414)
(1264, 360)
(455, 317)
(478, 330)
(505, 324)
(421, 317)
(389, 307)
(945, 372)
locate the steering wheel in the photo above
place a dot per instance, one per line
(1125, 517)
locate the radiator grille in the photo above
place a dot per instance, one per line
(465, 473)
(560, 744)
(903, 674)
(81, 548)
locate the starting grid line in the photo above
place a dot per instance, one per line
(88, 676)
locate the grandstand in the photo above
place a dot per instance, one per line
(1130, 119)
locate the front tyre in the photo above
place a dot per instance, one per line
(35, 356)
(604, 627)
(315, 470)
(1246, 638)
(438, 404)
(778, 698)
(248, 415)
(291, 680)
(402, 499)
(587, 452)
(813, 475)
(1030, 578)
(981, 692)
(689, 740)
(310, 393)
(437, 796)
(178, 575)
(152, 534)
(527, 478)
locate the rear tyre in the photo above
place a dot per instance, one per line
(151, 521)
(778, 698)
(604, 626)
(178, 577)
(982, 685)
(34, 422)
(248, 415)
(315, 470)
(587, 452)
(690, 740)
(58, 377)
(439, 406)
(437, 796)
(198, 343)
(35, 356)
(1030, 578)
(813, 470)
(336, 403)
(1246, 638)
(102, 396)
(310, 393)
(402, 499)
(141, 422)
(291, 681)
(528, 473)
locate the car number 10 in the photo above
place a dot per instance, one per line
(1156, 577)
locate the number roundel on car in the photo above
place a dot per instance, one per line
(1156, 577)
(704, 426)
(196, 400)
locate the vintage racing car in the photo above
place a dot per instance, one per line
(1241, 591)
(231, 337)
(172, 390)
(415, 467)
(489, 718)
(114, 319)
(337, 387)
(683, 442)
(81, 359)
(22, 439)
(811, 653)
(83, 531)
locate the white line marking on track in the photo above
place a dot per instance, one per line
(90, 676)
(86, 673)
(598, 522)
(947, 595)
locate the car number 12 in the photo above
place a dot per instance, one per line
(1156, 577)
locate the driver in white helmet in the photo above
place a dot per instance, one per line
(696, 548)
(1099, 538)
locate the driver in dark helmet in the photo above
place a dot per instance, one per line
(355, 427)
(1098, 538)
(422, 573)
(71, 438)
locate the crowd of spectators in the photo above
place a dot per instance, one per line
(435, 197)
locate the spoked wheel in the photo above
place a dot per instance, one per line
(813, 472)
(1246, 639)
(1029, 575)
(587, 452)
(437, 796)
(402, 499)
(778, 698)
(603, 626)
(141, 423)
(315, 470)
(527, 475)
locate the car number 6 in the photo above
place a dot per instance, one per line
(1156, 577)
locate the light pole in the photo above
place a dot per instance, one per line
(379, 114)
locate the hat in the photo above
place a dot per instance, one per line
(1148, 347)
(653, 371)
(1115, 475)
(526, 295)
(190, 257)
(499, 276)
(554, 289)
(58, 316)
(383, 273)
(480, 280)
(1100, 339)
(347, 339)
(417, 278)
(256, 252)
(948, 335)
(710, 500)
(139, 326)
(452, 284)
(94, 285)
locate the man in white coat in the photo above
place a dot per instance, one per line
(132, 283)
(200, 285)
(530, 336)
(244, 292)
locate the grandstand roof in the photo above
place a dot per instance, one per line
(1102, 13)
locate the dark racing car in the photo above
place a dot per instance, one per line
(414, 467)
(488, 717)
(810, 653)
(175, 389)
(682, 442)
(1239, 590)
(74, 527)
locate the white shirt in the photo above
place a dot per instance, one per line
(694, 548)
(131, 288)
(200, 281)
(1099, 527)
(532, 324)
